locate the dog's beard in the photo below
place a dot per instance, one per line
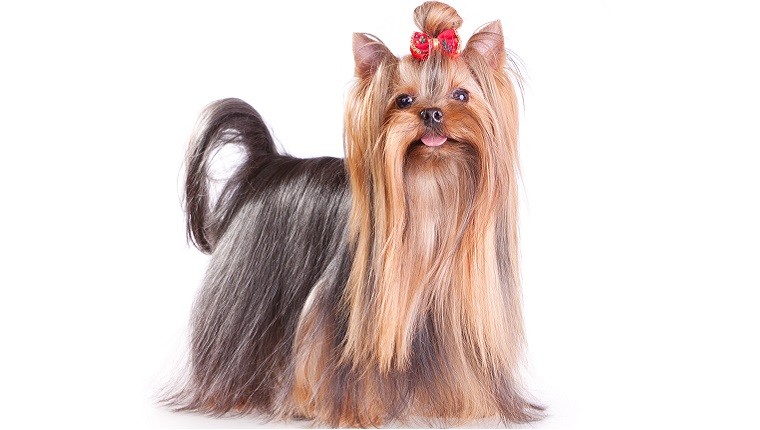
(430, 198)
(439, 190)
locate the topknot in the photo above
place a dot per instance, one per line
(435, 17)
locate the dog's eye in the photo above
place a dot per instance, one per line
(461, 94)
(404, 101)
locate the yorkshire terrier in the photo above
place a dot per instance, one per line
(383, 287)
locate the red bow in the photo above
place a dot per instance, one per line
(448, 41)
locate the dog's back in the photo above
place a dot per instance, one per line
(272, 233)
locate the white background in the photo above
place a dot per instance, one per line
(640, 218)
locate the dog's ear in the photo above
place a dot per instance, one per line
(487, 42)
(369, 53)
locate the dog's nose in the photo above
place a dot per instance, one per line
(432, 117)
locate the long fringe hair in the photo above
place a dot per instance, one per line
(381, 287)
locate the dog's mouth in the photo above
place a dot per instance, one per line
(446, 151)
(433, 140)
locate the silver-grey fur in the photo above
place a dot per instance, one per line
(277, 230)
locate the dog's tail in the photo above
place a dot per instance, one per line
(227, 121)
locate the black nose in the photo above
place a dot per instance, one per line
(431, 116)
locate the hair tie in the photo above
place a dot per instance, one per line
(447, 41)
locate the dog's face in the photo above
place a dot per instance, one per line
(436, 101)
(436, 111)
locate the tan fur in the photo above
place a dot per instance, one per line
(386, 338)
(433, 231)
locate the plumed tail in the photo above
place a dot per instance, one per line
(227, 121)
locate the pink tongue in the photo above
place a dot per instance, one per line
(433, 140)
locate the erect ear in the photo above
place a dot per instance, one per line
(369, 53)
(488, 42)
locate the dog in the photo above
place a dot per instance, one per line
(383, 287)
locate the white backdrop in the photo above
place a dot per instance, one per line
(640, 218)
